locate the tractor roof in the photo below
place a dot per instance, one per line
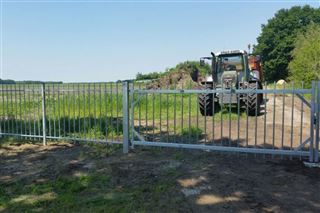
(230, 52)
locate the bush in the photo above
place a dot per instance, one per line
(305, 65)
(148, 76)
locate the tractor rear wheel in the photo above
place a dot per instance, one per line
(206, 102)
(253, 100)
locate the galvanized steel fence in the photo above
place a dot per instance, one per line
(81, 112)
(287, 124)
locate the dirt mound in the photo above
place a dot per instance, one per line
(180, 79)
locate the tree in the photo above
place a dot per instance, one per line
(305, 65)
(276, 40)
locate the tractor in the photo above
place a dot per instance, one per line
(232, 70)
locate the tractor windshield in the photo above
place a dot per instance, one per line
(229, 63)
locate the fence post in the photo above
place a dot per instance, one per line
(43, 94)
(312, 120)
(125, 112)
(316, 149)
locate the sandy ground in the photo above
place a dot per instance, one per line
(203, 181)
(283, 123)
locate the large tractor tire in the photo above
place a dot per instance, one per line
(253, 100)
(206, 102)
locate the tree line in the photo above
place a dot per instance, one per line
(10, 81)
(290, 45)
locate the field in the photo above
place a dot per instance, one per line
(66, 177)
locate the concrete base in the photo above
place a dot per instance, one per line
(311, 165)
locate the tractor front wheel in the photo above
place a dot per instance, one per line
(206, 102)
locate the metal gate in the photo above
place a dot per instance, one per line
(128, 114)
(286, 125)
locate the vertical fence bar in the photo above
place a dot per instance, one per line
(94, 113)
(131, 90)
(16, 110)
(146, 115)
(7, 114)
(265, 118)
(213, 113)
(292, 117)
(49, 114)
(69, 109)
(238, 117)
(100, 111)
(139, 120)
(205, 115)
(25, 111)
(160, 115)
(247, 117)
(30, 111)
(274, 114)
(256, 116)
(39, 115)
(12, 110)
(54, 111)
(43, 94)
(20, 103)
(182, 136)
(168, 133)
(311, 148)
(175, 112)
(106, 108)
(197, 122)
(34, 108)
(111, 110)
(74, 109)
(59, 113)
(189, 104)
(221, 118)
(125, 109)
(117, 119)
(79, 111)
(4, 109)
(316, 153)
(63, 109)
(301, 118)
(84, 111)
(283, 108)
(153, 127)
(229, 136)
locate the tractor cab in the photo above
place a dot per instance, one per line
(231, 67)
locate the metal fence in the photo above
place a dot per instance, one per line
(79, 112)
(287, 124)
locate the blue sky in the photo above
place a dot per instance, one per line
(106, 41)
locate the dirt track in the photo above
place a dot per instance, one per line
(198, 181)
(276, 127)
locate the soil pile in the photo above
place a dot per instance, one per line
(182, 77)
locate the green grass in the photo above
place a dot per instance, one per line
(89, 193)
